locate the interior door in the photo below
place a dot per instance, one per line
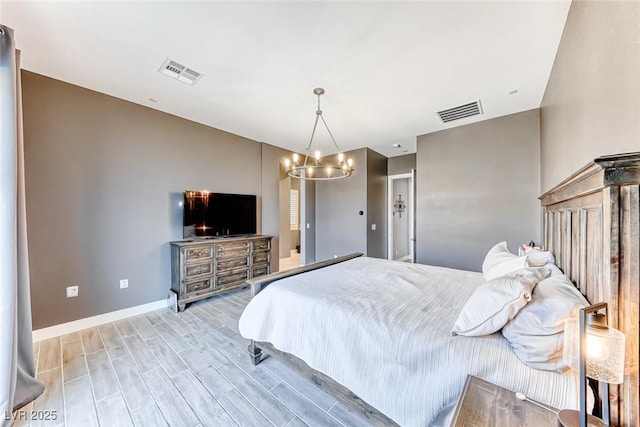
(401, 240)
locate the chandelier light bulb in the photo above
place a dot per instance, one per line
(295, 158)
(340, 157)
(287, 163)
(350, 162)
(317, 155)
(310, 171)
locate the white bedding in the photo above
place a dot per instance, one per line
(382, 329)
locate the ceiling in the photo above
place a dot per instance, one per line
(387, 67)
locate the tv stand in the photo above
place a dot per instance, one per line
(203, 267)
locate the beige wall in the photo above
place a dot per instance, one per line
(376, 204)
(477, 185)
(401, 164)
(340, 229)
(104, 179)
(591, 105)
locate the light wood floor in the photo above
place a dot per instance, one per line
(186, 369)
(291, 262)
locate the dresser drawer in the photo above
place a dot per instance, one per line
(191, 270)
(198, 253)
(260, 245)
(225, 264)
(260, 271)
(198, 286)
(231, 279)
(261, 257)
(232, 249)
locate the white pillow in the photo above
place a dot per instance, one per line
(536, 333)
(538, 258)
(500, 262)
(496, 302)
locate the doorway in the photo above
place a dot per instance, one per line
(401, 218)
(289, 242)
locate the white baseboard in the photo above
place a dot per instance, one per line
(100, 319)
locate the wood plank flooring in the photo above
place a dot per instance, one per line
(165, 369)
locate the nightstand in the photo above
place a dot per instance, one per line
(483, 404)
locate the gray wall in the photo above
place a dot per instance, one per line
(104, 178)
(591, 105)
(376, 204)
(478, 185)
(401, 164)
(340, 229)
(285, 234)
(272, 158)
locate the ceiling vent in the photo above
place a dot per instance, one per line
(460, 112)
(180, 72)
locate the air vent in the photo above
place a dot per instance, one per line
(460, 112)
(179, 72)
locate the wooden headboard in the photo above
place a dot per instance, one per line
(592, 226)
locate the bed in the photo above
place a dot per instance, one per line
(372, 328)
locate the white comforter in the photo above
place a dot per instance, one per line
(382, 329)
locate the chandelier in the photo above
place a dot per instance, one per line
(314, 169)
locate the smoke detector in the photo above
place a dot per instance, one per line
(180, 72)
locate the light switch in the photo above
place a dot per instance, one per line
(373, 226)
(308, 226)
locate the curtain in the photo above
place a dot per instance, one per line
(18, 385)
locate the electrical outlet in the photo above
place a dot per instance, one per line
(124, 283)
(72, 291)
(373, 227)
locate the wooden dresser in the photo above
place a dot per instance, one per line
(201, 268)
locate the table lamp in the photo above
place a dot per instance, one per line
(596, 351)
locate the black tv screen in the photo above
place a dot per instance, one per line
(209, 214)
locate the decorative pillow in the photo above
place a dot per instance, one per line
(538, 258)
(496, 302)
(500, 262)
(536, 333)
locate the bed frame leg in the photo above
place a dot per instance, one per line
(255, 353)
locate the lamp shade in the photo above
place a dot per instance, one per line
(605, 347)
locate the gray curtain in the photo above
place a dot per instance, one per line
(18, 385)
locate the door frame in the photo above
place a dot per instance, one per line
(410, 211)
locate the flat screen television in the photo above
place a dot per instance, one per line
(208, 214)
